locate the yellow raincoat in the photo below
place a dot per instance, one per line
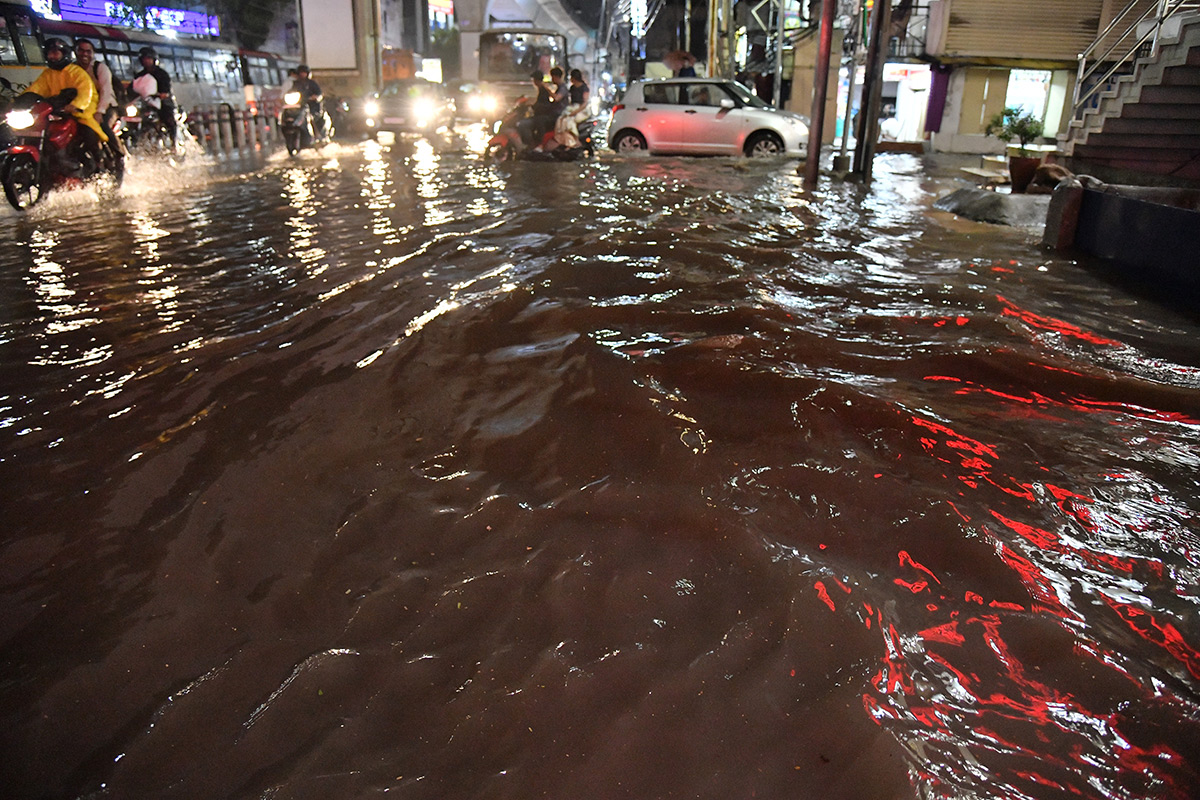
(53, 81)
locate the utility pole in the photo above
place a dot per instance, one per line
(816, 129)
(868, 115)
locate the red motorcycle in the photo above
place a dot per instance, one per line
(48, 151)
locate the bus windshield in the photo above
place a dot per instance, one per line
(513, 55)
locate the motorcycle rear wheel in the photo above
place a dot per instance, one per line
(22, 181)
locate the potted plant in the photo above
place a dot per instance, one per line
(1014, 123)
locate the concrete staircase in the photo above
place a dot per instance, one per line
(1147, 122)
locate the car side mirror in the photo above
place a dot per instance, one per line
(726, 103)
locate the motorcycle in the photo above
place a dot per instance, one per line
(296, 125)
(48, 151)
(7, 94)
(143, 128)
(506, 143)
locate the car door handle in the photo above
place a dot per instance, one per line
(691, 111)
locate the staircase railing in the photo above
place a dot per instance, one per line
(1119, 56)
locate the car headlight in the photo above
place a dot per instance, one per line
(292, 98)
(481, 104)
(370, 108)
(423, 107)
(19, 120)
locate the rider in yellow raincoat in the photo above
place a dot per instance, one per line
(61, 74)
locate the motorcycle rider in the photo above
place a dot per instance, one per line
(148, 58)
(101, 75)
(61, 74)
(578, 93)
(543, 112)
(310, 92)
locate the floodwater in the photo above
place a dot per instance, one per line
(384, 471)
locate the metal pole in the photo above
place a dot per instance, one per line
(777, 94)
(868, 115)
(812, 167)
(687, 26)
(842, 162)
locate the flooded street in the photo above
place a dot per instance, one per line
(389, 471)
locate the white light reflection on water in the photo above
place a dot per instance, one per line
(62, 310)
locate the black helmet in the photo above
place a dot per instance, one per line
(65, 54)
(303, 68)
(147, 51)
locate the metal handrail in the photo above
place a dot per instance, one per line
(1164, 10)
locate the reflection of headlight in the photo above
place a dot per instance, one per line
(370, 108)
(292, 98)
(131, 111)
(20, 120)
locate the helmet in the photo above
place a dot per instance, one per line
(147, 51)
(60, 46)
(303, 68)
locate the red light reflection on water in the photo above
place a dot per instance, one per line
(1031, 735)
(1011, 309)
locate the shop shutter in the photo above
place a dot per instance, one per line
(1047, 30)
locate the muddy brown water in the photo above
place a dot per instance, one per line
(390, 472)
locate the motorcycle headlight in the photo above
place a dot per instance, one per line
(292, 98)
(370, 108)
(131, 111)
(19, 120)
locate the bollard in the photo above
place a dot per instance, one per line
(239, 130)
(225, 128)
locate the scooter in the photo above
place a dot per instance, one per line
(296, 125)
(506, 144)
(48, 151)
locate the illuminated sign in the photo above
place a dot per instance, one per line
(638, 16)
(163, 20)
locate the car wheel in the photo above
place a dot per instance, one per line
(764, 144)
(629, 141)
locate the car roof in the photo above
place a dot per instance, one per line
(684, 80)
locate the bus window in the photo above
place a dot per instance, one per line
(227, 68)
(512, 56)
(8, 47)
(204, 68)
(23, 28)
(186, 67)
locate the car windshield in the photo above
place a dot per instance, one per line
(409, 89)
(745, 95)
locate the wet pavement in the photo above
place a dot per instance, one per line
(388, 471)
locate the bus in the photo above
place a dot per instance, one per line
(497, 73)
(204, 73)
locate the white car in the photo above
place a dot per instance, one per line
(703, 116)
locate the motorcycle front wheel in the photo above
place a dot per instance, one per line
(500, 152)
(22, 181)
(291, 138)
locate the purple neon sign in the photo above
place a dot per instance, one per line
(175, 20)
